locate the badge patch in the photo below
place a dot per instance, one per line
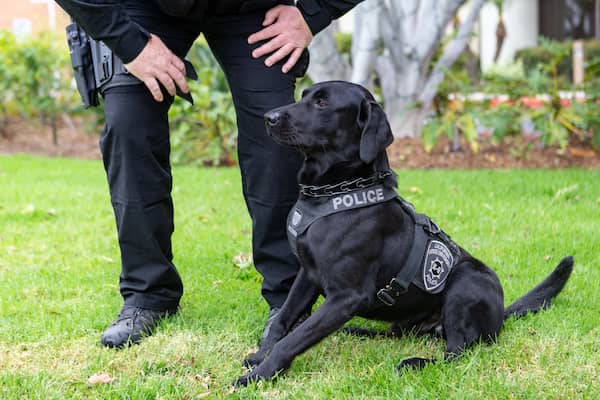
(296, 218)
(438, 263)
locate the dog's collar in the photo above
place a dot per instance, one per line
(344, 186)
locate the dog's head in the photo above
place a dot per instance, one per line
(337, 120)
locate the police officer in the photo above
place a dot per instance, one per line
(259, 44)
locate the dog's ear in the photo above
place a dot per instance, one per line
(376, 134)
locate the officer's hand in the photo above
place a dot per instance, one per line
(156, 63)
(288, 35)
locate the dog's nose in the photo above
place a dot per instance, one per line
(272, 118)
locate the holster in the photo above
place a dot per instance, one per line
(97, 68)
(83, 66)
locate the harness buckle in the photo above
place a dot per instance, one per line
(432, 227)
(390, 293)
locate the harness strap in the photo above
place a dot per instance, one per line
(428, 239)
(399, 285)
(306, 212)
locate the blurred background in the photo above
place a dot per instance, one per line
(478, 81)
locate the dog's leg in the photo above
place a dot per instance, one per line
(300, 300)
(335, 311)
(473, 310)
(394, 332)
(454, 348)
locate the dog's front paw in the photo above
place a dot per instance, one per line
(413, 363)
(266, 370)
(245, 380)
(253, 360)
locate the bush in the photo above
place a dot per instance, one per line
(534, 56)
(529, 105)
(8, 78)
(45, 90)
(35, 79)
(205, 133)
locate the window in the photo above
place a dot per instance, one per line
(568, 19)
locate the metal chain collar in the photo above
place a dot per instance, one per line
(344, 186)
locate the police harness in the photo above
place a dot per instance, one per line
(432, 256)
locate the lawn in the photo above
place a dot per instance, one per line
(59, 267)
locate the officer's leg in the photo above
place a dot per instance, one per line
(269, 170)
(135, 150)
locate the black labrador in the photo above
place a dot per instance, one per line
(352, 255)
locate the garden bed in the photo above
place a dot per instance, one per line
(513, 152)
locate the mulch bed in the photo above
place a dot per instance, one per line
(512, 153)
(33, 138)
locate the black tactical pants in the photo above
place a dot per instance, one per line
(135, 148)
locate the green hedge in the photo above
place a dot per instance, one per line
(36, 81)
(205, 133)
(533, 56)
(550, 121)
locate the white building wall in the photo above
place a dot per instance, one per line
(522, 30)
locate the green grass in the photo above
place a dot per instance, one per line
(59, 267)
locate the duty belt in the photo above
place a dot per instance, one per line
(109, 70)
(432, 253)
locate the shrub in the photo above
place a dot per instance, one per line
(35, 78)
(45, 89)
(205, 133)
(530, 105)
(534, 56)
(8, 77)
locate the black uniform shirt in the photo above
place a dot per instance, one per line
(108, 20)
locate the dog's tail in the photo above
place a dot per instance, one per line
(541, 296)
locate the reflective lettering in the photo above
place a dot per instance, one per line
(357, 199)
(347, 199)
(371, 196)
(336, 202)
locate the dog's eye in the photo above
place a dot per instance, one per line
(321, 103)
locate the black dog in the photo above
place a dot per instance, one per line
(365, 249)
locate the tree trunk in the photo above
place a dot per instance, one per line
(451, 52)
(326, 62)
(410, 32)
(410, 122)
(365, 43)
(500, 29)
(3, 121)
(54, 127)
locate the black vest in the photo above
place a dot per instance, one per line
(433, 253)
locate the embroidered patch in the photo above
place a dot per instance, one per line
(438, 263)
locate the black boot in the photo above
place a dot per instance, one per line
(131, 325)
